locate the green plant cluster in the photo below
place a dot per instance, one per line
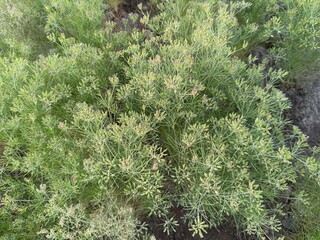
(306, 213)
(102, 128)
(290, 28)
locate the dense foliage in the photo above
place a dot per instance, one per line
(101, 128)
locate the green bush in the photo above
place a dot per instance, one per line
(109, 127)
(307, 212)
(289, 28)
(78, 19)
(22, 28)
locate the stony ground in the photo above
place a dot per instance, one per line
(305, 112)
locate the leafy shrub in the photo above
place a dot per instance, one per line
(112, 126)
(22, 28)
(306, 212)
(78, 19)
(289, 28)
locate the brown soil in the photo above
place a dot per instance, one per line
(305, 112)
(223, 232)
(120, 15)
